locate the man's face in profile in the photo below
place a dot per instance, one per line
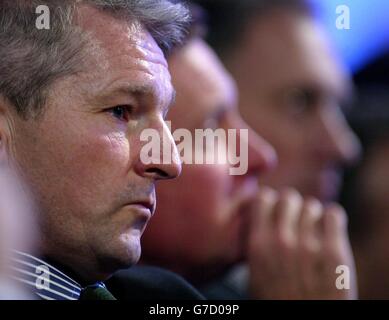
(200, 221)
(82, 157)
(291, 89)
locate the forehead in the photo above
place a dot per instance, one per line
(290, 48)
(122, 51)
(201, 81)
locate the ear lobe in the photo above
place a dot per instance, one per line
(3, 141)
(3, 151)
(5, 132)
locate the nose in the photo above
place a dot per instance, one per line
(338, 142)
(261, 155)
(159, 158)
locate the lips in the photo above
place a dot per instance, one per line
(144, 211)
(149, 205)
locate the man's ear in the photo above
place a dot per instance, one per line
(6, 128)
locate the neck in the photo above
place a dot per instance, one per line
(78, 271)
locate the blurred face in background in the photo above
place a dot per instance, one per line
(371, 239)
(291, 90)
(199, 220)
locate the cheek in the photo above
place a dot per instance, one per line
(289, 139)
(192, 221)
(99, 163)
(192, 202)
(286, 139)
(206, 198)
(211, 183)
(286, 136)
(84, 169)
(212, 219)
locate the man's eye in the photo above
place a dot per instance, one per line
(299, 101)
(122, 112)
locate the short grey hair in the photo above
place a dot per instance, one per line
(32, 59)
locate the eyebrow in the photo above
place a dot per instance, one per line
(345, 95)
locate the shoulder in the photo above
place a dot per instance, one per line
(149, 283)
(231, 285)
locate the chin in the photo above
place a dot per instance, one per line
(130, 250)
(122, 254)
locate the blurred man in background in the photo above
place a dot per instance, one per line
(366, 190)
(292, 89)
(209, 220)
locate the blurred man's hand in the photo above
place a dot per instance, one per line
(295, 246)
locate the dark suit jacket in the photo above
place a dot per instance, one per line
(150, 283)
